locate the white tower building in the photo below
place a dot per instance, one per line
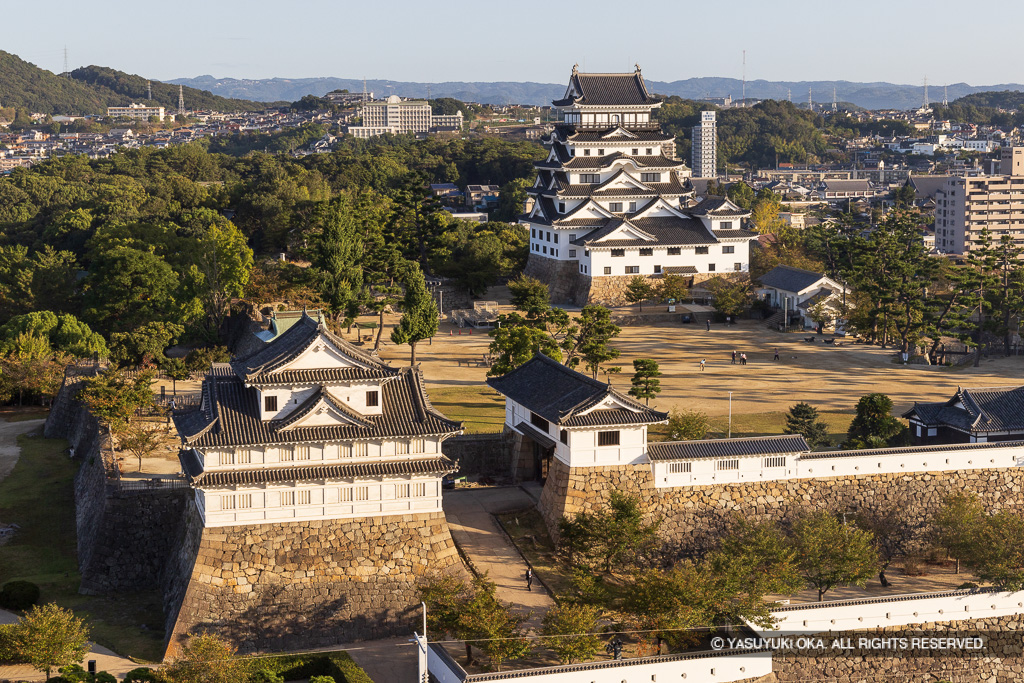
(705, 146)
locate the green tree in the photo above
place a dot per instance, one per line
(587, 339)
(207, 658)
(49, 637)
(140, 441)
(176, 370)
(731, 296)
(113, 397)
(957, 525)
(904, 195)
(128, 288)
(688, 425)
(570, 632)
(873, 426)
(31, 366)
(998, 554)
(337, 257)
(513, 345)
(740, 194)
(419, 317)
(803, 419)
(673, 288)
(615, 535)
(220, 269)
(145, 345)
(639, 290)
(512, 200)
(645, 379)
(65, 333)
(831, 553)
(529, 295)
(496, 629)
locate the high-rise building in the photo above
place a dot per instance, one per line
(396, 116)
(964, 207)
(705, 146)
(611, 202)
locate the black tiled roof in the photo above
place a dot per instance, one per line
(607, 89)
(592, 135)
(666, 231)
(735, 233)
(536, 434)
(582, 163)
(789, 279)
(230, 416)
(716, 206)
(436, 465)
(559, 394)
(725, 448)
(991, 409)
(259, 367)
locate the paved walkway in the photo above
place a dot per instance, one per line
(9, 450)
(392, 660)
(470, 518)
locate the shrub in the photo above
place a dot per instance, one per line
(142, 675)
(321, 679)
(264, 676)
(8, 653)
(19, 595)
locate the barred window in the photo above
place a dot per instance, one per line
(270, 404)
(632, 270)
(402, 447)
(361, 493)
(650, 177)
(402, 491)
(775, 461)
(345, 494)
(618, 252)
(700, 250)
(244, 458)
(615, 207)
(302, 452)
(372, 399)
(680, 467)
(287, 497)
(245, 500)
(419, 490)
(305, 497)
(728, 249)
(674, 251)
(647, 252)
(360, 449)
(608, 438)
(227, 459)
(227, 502)
(287, 454)
(723, 465)
(416, 446)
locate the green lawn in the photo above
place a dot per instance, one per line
(762, 424)
(38, 496)
(480, 407)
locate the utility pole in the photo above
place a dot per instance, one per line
(730, 415)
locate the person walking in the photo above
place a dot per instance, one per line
(702, 361)
(776, 354)
(743, 359)
(529, 579)
(734, 356)
(708, 321)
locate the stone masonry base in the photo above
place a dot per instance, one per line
(301, 585)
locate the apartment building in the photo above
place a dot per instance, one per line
(396, 116)
(136, 111)
(705, 144)
(964, 207)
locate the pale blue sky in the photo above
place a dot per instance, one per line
(456, 40)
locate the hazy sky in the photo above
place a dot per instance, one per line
(899, 41)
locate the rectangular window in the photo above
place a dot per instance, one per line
(572, 253)
(728, 249)
(607, 270)
(561, 207)
(556, 238)
(533, 232)
(419, 490)
(270, 404)
(649, 151)
(245, 501)
(725, 225)
(227, 459)
(401, 448)
(618, 252)
(563, 436)
(680, 467)
(650, 177)
(711, 267)
(586, 152)
(227, 502)
(615, 207)
(287, 454)
(608, 438)
(775, 461)
(544, 250)
(287, 497)
(674, 251)
(372, 399)
(636, 151)
(572, 236)
(361, 493)
(416, 446)
(548, 236)
(647, 252)
(590, 178)
(539, 422)
(737, 267)
(632, 270)
(657, 270)
(345, 494)
(305, 497)
(632, 207)
(302, 452)
(360, 449)
(600, 152)
(700, 250)
(724, 465)
(401, 491)
(586, 252)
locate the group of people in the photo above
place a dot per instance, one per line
(742, 357)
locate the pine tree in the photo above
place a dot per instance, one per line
(803, 419)
(420, 318)
(639, 290)
(645, 379)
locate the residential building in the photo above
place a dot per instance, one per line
(965, 206)
(832, 190)
(484, 196)
(705, 147)
(308, 427)
(795, 293)
(397, 116)
(970, 416)
(136, 111)
(611, 201)
(345, 98)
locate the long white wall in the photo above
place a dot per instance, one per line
(903, 610)
(698, 667)
(286, 455)
(708, 471)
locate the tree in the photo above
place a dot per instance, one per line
(139, 441)
(49, 637)
(586, 339)
(419, 318)
(998, 554)
(495, 628)
(820, 315)
(512, 200)
(873, 427)
(220, 268)
(894, 533)
(513, 345)
(957, 524)
(803, 419)
(337, 257)
(731, 296)
(831, 553)
(904, 195)
(143, 346)
(113, 397)
(570, 632)
(207, 658)
(128, 288)
(645, 379)
(176, 370)
(639, 290)
(688, 425)
(30, 365)
(673, 287)
(529, 295)
(615, 535)
(65, 333)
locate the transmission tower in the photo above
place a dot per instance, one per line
(925, 106)
(149, 90)
(810, 99)
(789, 95)
(945, 98)
(181, 100)
(66, 70)
(835, 104)
(744, 91)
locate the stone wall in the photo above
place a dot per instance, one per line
(693, 515)
(302, 585)
(1001, 660)
(565, 283)
(486, 455)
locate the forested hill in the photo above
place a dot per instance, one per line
(997, 108)
(91, 89)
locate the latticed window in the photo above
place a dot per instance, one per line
(245, 500)
(680, 467)
(775, 461)
(360, 449)
(288, 498)
(608, 438)
(725, 465)
(227, 502)
(302, 452)
(419, 490)
(402, 491)
(361, 493)
(305, 497)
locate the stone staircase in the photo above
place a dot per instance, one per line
(774, 320)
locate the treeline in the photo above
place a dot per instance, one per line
(132, 253)
(1001, 109)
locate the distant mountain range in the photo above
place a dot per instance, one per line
(877, 95)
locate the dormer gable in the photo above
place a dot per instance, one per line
(589, 209)
(320, 410)
(322, 354)
(658, 208)
(623, 231)
(624, 181)
(619, 132)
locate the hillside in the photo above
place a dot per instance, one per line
(91, 89)
(877, 95)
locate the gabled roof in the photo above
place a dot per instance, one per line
(264, 366)
(716, 206)
(320, 399)
(725, 448)
(592, 135)
(790, 279)
(568, 398)
(992, 409)
(665, 231)
(230, 416)
(606, 89)
(583, 163)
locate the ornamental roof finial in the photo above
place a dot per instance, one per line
(637, 67)
(575, 68)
